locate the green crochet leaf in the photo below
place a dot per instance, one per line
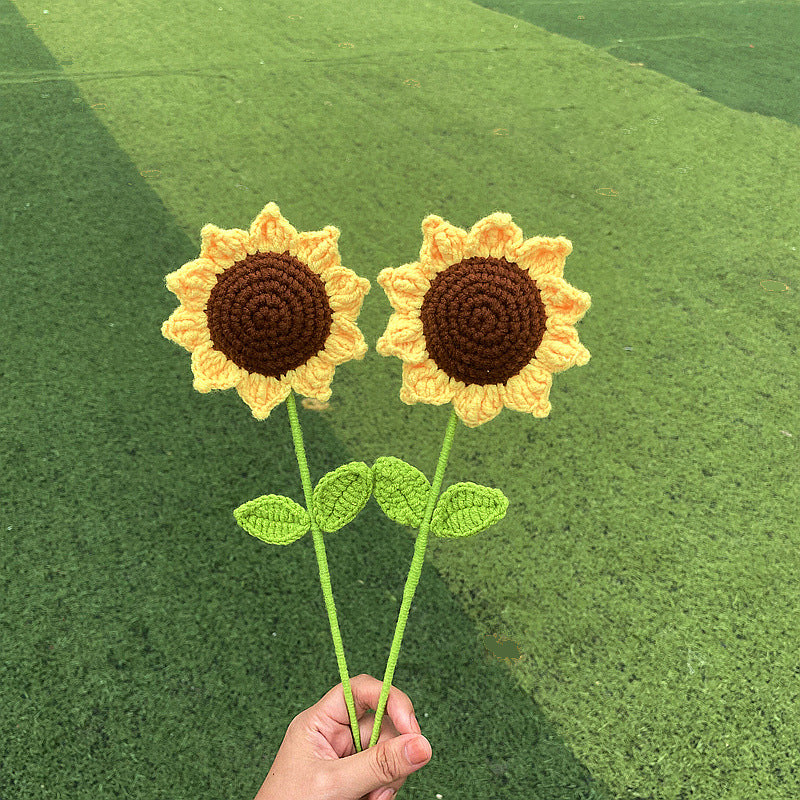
(466, 509)
(340, 495)
(273, 518)
(401, 490)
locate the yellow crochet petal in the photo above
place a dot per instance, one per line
(213, 370)
(405, 286)
(476, 404)
(403, 338)
(443, 245)
(318, 249)
(496, 236)
(563, 302)
(188, 328)
(262, 394)
(224, 247)
(346, 290)
(270, 232)
(261, 329)
(541, 256)
(560, 348)
(313, 379)
(426, 383)
(528, 390)
(345, 341)
(462, 291)
(193, 282)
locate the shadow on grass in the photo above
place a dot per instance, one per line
(148, 642)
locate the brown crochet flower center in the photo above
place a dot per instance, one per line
(483, 320)
(269, 313)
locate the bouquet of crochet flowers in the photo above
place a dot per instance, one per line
(482, 321)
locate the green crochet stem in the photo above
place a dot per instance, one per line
(413, 577)
(324, 574)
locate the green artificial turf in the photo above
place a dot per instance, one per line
(646, 567)
(742, 53)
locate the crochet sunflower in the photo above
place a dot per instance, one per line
(266, 311)
(483, 319)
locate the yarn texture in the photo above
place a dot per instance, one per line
(401, 490)
(483, 319)
(464, 509)
(341, 495)
(274, 519)
(266, 311)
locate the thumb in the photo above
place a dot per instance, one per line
(383, 764)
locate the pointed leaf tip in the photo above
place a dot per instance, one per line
(401, 490)
(466, 509)
(273, 518)
(341, 495)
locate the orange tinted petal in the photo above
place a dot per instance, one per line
(564, 302)
(528, 390)
(318, 249)
(560, 348)
(405, 286)
(313, 379)
(443, 244)
(426, 383)
(345, 342)
(496, 235)
(262, 394)
(213, 369)
(403, 338)
(543, 256)
(346, 290)
(224, 247)
(188, 328)
(475, 404)
(270, 232)
(193, 282)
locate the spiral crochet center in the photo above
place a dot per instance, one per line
(269, 313)
(483, 319)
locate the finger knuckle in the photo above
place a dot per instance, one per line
(385, 765)
(402, 695)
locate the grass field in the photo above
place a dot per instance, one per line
(646, 568)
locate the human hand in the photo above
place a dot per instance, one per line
(317, 759)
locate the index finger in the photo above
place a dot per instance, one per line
(366, 696)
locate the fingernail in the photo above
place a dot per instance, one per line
(418, 750)
(387, 795)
